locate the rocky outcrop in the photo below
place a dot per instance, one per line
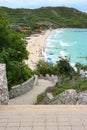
(82, 98)
(4, 96)
(68, 97)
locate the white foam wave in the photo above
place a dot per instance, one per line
(63, 54)
(52, 40)
(66, 44)
(60, 31)
(49, 45)
(57, 33)
(73, 65)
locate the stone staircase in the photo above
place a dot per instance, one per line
(30, 97)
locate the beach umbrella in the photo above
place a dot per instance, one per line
(50, 61)
(49, 58)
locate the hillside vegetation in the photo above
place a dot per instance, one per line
(13, 53)
(68, 78)
(13, 46)
(45, 17)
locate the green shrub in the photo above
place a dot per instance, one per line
(63, 67)
(13, 53)
(40, 97)
(79, 85)
(44, 68)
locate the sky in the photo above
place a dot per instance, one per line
(78, 4)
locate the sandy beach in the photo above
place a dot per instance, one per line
(35, 47)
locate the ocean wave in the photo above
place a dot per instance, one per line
(50, 46)
(73, 65)
(57, 33)
(60, 31)
(67, 44)
(51, 40)
(63, 54)
(57, 43)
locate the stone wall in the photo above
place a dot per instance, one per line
(24, 87)
(53, 78)
(4, 97)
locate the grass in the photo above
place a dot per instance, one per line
(77, 84)
(40, 97)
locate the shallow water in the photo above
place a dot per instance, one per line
(67, 42)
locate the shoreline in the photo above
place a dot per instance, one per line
(35, 47)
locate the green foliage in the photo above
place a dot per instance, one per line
(13, 53)
(80, 66)
(40, 97)
(4, 31)
(44, 68)
(17, 73)
(46, 17)
(63, 67)
(77, 83)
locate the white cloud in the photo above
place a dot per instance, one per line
(6, 1)
(45, 1)
(38, 3)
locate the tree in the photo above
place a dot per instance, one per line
(44, 68)
(4, 31)
(63, 67)
(80, 66)
(13, 53)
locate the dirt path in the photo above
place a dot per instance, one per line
(30, 97)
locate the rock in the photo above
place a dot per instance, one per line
(48, 77)
(54, 79)
(82, 98)
(67, 97)
(4, 96)
(45, 100)
(50, 96)
(50, 89)
(41, 76)
(71, 97)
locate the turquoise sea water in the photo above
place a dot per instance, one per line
(67, 42)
